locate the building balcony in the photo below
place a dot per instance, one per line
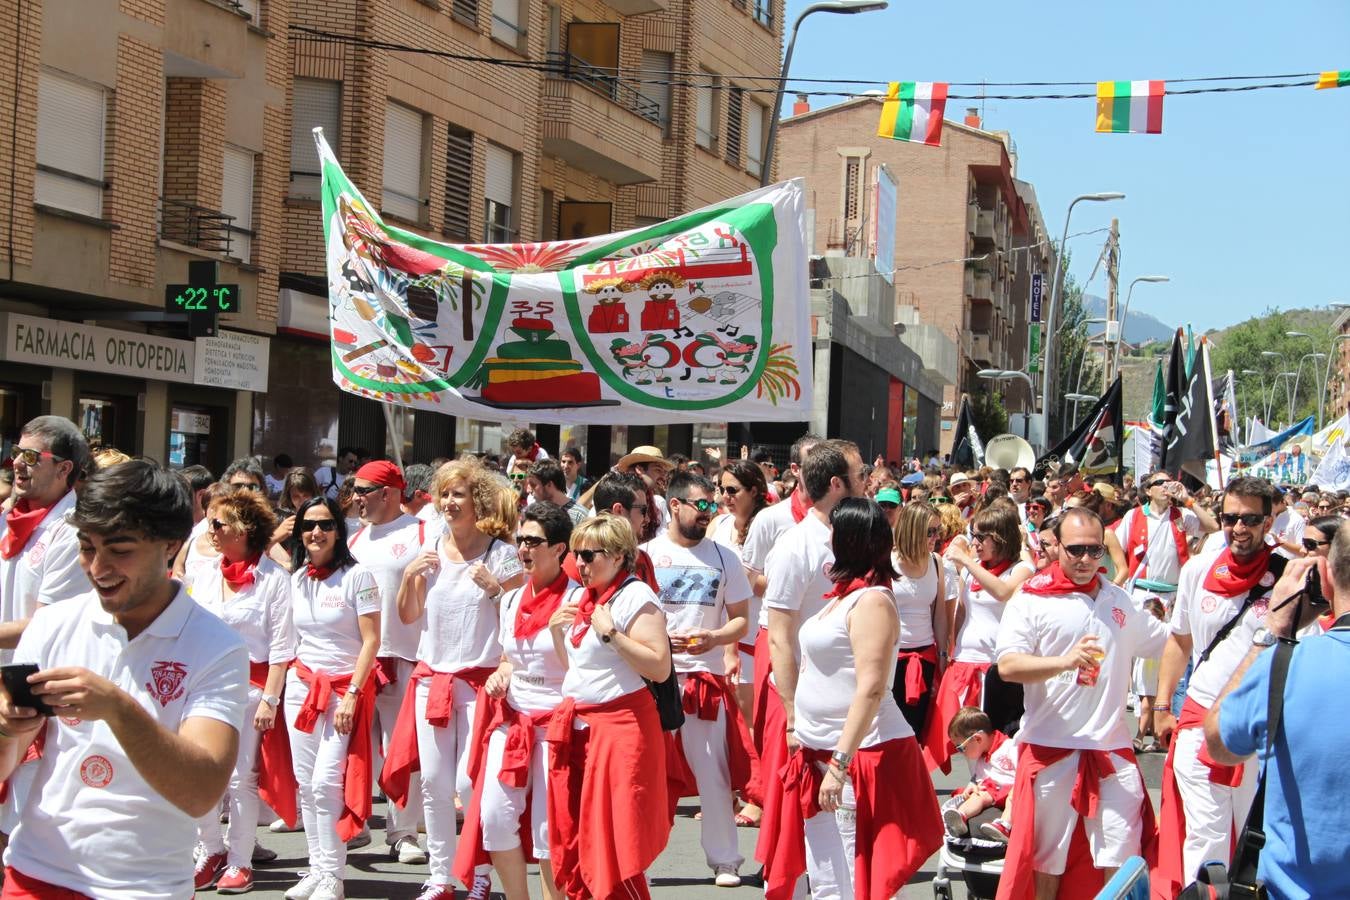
(984, 225)
(599, 123)
(972, 217)
(980, 347)
(637, 7)
(981, 286)
(207, 230)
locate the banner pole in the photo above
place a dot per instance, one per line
(1213, 424)
(395, 433)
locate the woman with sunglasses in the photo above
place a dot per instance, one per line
(921, 592)
(251, 594)
(508, 759)
(1317, 536)
(199, 554)
(1037, 509)
(857, 787)
(330, 692)
(454, 588)
(989, 578)
(607, 827)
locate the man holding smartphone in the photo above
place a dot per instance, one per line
(149, 692)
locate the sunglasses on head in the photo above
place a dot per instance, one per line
(1078, 551)
(1311, 544)
(530, 540)
(368, 489)
(32, 457)
(1251, 520)
(588, 556)
(324, 525)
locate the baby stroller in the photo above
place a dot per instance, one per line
(978, 862)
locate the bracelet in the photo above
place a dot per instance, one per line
(791, 730)
(1166, 709)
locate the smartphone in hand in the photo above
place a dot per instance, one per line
(20, 692)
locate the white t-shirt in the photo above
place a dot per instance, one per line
(1161, 561)
(326, 615)
(1290, 526)
(91, 822)
(195, 562)
(765, 530)
(45, 571)
(697, 583)
(536, 672)
(798, 569)
(259, 613)
(828, 680)
(1000, 767)
(459, 626)
(274, 485)
(979, 631)
(596, 673)
(386, 550)
(1208, 680)
(1061, 712)
(723, 530)
(914, 599)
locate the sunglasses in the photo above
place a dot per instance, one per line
(1078, 551)
(588, 556)
(217, 525)
(980, 537)
(702, 506)
(961, 747)
(1313, 544)
(368, 489)
(1251, 520)
(324, 525)
(530, 540)
(639, 508)
(934, 532)
(518, 476)
(1153, 484)
(32, 457)
(731, 491)
(938, 501)
(1018, 480)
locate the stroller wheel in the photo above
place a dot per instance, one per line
(942, 889)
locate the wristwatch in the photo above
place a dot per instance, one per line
(608, 637)
(1264, 637)
(271, 700)
(841, 759)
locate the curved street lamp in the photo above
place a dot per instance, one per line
(1125, 316)
(1005, 374)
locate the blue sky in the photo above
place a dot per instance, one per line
(1242, 199)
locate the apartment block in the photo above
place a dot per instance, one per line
(965, 239)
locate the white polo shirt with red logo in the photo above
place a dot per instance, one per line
(386, 550)
(45, 571)
(91, 823)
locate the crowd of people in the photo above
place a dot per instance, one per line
(530, 666)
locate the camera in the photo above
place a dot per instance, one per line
(1313, 588)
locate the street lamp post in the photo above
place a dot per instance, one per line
(1054, 299)
(1129, 294)
(1288, 397)
(1076, 398)
(1284, 364)
(846, 7)
(1261, 397)
(1307, 356)
(1004, 374)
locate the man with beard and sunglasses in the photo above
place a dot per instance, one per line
(1068, 637)
(705, 597)
(1222, 598)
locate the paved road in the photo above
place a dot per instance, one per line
(678, 873)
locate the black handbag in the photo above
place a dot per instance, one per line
(669, 703)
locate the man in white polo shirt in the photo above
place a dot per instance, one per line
(149, 693)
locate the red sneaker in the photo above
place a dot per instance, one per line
(235, 881)
(207, 869)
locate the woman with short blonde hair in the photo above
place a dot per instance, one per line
(922, 591)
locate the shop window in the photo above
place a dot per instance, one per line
(189, 437)
(109, 422)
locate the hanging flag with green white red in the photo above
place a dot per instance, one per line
(1333, 79)
(1130, 107)
(913, 111)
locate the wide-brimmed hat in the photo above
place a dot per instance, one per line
(646, 455)
(960, 478)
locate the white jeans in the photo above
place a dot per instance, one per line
(399, 823)
(830, 849)
(1114, 835)
(241, 797)
(705, 748)
(444, 757)
(503, 806)
(320, 760)
(1213, 811)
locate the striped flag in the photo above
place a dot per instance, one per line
(912, 111)
(1130, 107)
(1333, 79)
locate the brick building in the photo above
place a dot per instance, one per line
(963, 232)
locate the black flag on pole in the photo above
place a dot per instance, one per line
(1176, 388)
(1097, 443)
(1191, 442)
(967, 448)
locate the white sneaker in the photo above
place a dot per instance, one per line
(726, 876)
(482, 887)
(955, 822)
(305, 889)
(407, 851)
(330, 888)
(360, 839)
(280, 827)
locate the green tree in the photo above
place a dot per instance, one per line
(1242, 349)
(1078, 368)
(990, 413)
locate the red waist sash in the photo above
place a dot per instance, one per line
(912, 661)
(356, 780)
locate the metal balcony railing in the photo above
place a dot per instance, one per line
(196, 226)
(605, 83)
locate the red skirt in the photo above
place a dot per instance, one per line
(771, 742)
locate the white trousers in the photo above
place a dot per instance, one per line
(503, 806)
(831, 840)
(705, 748)
(444, 757)
(241, 797)
(398, 823)
(1114, 835)
(320, 761)
(1214, 812)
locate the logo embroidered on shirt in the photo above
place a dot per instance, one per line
(37, 553)
(96, 771)
(1119, 615)
(399, 550)
(166, 681)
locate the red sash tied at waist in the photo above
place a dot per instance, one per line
(356, 787)
(385, 672)
(962, 684)
(276, 773)
(704, 694)
(912, 661)
(604, 782)
(401, 758)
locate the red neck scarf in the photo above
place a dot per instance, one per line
(995, 569)
(1136, 543)
(996, 740)
(844, 588)
(800, 504)
(239, 575)
(1229, 578)
(592, 598)
(318, 573)
(1051, 580)
(535, 610)
(22, 520)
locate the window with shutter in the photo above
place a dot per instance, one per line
(70, 144)
(656, 69)
(458, 183)
(754, 139)
(499, 193)
(851, 169)
(236, 199)
(314, 104)
(465, 11)
(507, 26)
(705, 125)
(403, 196)
(735, 103)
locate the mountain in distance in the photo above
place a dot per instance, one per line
(1140, 326)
